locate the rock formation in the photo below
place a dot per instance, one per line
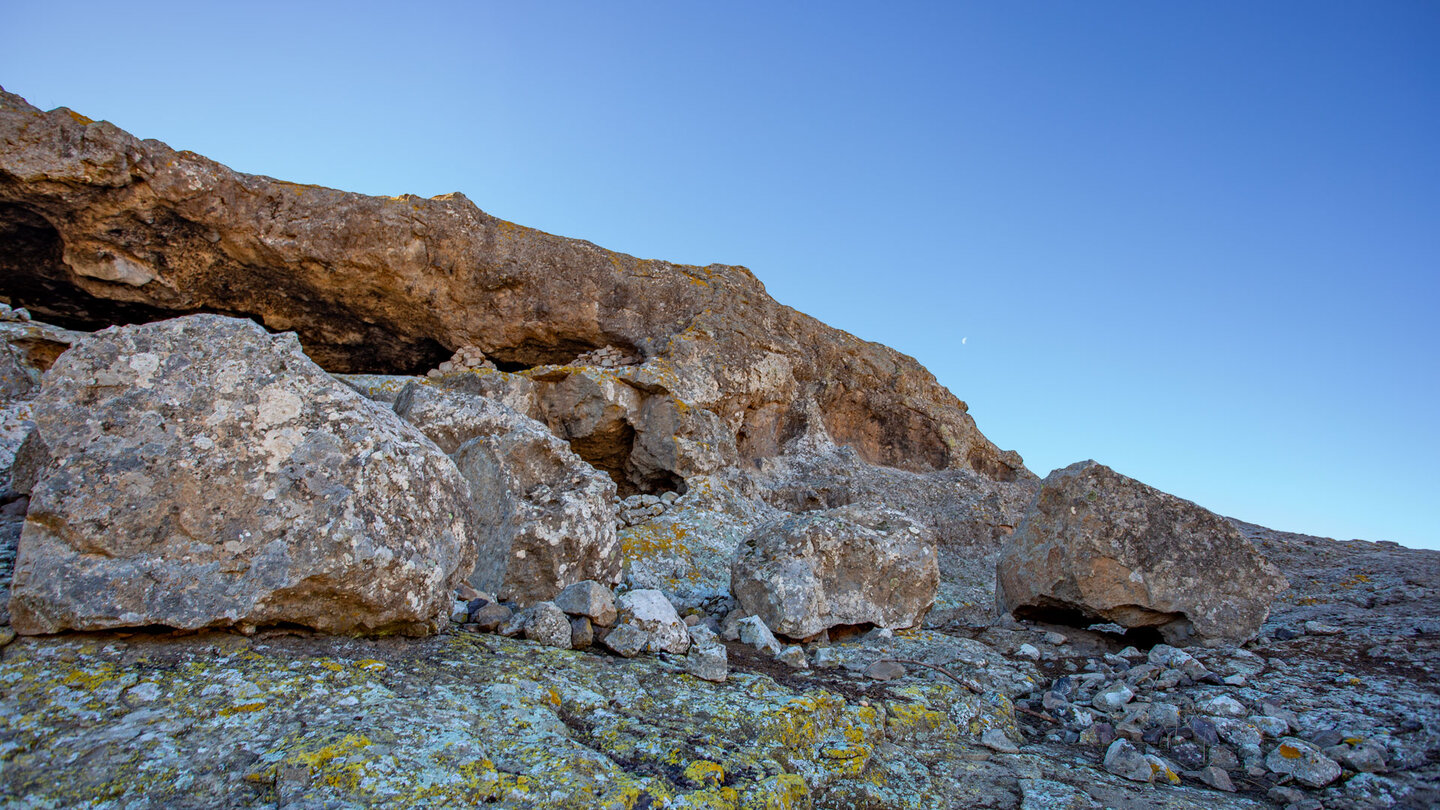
(105, 228)
(208, 474)
(1105, 548)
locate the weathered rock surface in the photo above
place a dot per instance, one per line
(651, 613)
(1098, 546)
(851, 565)
(101, 227)
(208, 474)
(544, 517)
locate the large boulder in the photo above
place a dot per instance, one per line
(208, 474)
(544, 518)
(851, 565)
(1097, 546)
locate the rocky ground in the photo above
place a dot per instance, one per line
(296, 719)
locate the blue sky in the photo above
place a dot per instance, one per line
(1197, 242)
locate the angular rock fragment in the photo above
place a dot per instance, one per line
(544, 517)
(627, 640)
(1098, 546)
(208, 474)
(1303, 761)
(650, 612)
(852, 565)
(752, 631)
(548, 625)
(589, 599)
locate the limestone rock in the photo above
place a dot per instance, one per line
(851, 565)
(649, 611)
(208, 474)
(752, 631)
(1098, 546)
(548, 625)
(103, 226)
(544, 517)
(627, 640)
(589, 599)
(1303, 761)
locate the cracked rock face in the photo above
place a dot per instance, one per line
(1098, 546)
(208, 474)
(99, 227)
(852, 565)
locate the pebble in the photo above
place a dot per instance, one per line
(1113, 697)
(754, 632)
(1028, 651)
(708, 662)
(885, 671)
(1315, 628)
(1305, 762)
(1055, 638)
(490, 617)
(1222, 706)
(793, 656)
(996, 740)
(627, 640)
(1217, 778)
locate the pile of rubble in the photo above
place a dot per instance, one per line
(608, 357)
(642, 508)
(466, 358)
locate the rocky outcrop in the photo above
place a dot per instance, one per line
(845, 566)
(208, 474)
(1096, 546)
(98, 227)
(544, 519)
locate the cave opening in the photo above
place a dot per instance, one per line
(1141, 637)
(609, 450)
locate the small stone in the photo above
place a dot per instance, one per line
(1189, 755)
(590, 599)
(996, 740)
(1222, 706)
(793, 656)
(692, 620)
(1124, 760)
(1055, 638)
(730, 627)
(1314, 628)
(1284, 795)
(754, 632)
(669, 497)
(513, 626)
(1131, 654)
(885, 671)
(650, 611)
(1367, 757)
(459, 613)
(1270, 726)
(466, 593)
(6, 636)
(1028, 651)
(582, 633)
(1303, 761)
(1233, 680)
(708, 662)
(627, 640)
(827, 658)
(490, 617)
(1284, 634)
(1112, 698)
(1217, 778)
(548, 625)
(1237, 732)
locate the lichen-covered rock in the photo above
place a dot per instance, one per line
(544, 517)
(851, 565)
(1098, 545)
(649, 611)
(1305, 762)
(627, 640)
(548, 625)
(208, 474)
(751, 630)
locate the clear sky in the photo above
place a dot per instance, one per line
(1198, 242)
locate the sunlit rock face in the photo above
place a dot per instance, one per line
(205, 473)
(1096, 546)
